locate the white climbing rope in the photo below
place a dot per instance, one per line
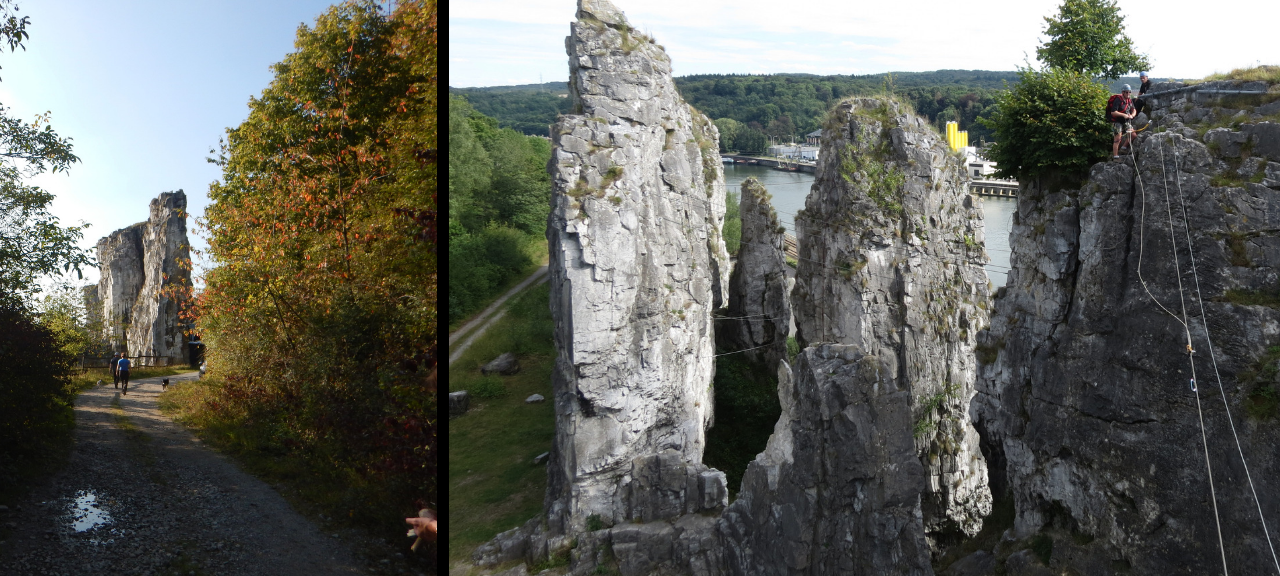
(1204, 437)
(1204, 320)
(1142, 227)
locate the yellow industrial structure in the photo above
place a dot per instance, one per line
(956, 138)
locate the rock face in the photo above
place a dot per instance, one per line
(838, 489)
(137, 263)
(891, 263)
(637, 266)
(1086, 401)
(759, 312)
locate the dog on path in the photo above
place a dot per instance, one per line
(164, 385)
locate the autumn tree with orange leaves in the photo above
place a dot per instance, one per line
(320, 312)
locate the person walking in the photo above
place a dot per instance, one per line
(1120, 112)
(124, 373)
(115, 370)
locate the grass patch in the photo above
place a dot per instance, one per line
(747, 408)
(988, 352)
(1236, 253)
(1269, 298)
(493, 484)
(1264, 73)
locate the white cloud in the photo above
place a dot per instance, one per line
(505, 39)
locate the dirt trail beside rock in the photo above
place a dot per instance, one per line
(174, 506)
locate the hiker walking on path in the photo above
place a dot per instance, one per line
(1120, 112)
(115, 370)
(124, 373)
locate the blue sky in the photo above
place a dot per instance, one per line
(144, 89)
(502, 42)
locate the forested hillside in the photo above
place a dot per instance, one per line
(498, 199)
(779, 105)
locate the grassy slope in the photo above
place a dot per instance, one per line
(493, 484)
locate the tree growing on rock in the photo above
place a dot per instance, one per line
(1051, 124)
(1087, 36)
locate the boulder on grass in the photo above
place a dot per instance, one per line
(505, 365)
(459, 403)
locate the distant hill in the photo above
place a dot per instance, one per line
(552, 87)
(941, 95)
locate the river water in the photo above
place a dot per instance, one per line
(789, 190)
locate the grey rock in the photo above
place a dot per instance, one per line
(980, 563)
(643, 548)
(518, 570)
(505, 364)
(137, 263)
(1025, 563)
(1265, 137)
(534, 399)
(759, 311)
(800, 509)
(1086, 406)
(891, 262)
(664, 486)
(507, 546)
(459, 403)
(637, 266)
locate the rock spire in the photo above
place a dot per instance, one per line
(137, 263)
(637, 266)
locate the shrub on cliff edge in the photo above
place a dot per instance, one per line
(1050, 123)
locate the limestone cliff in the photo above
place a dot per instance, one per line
(137, 263)
(891, 263)
(759, 310)
(1086, 400)
(637, 267)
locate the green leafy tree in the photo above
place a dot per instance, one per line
(1050, 123)
(469, 165)
(32, 241)
(1087, 36)
(320, 312)
(729, 129)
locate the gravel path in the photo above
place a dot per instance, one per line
(174, 506)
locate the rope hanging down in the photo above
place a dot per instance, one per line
(1190, 351)
(1204, 319)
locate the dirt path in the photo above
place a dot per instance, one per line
(175, 506)
(488, 317)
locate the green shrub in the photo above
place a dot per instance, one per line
(36, 417)
(488, 387)
(732, 230)
(1051, 123)
(480, 265)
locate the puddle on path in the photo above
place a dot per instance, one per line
(85, 513)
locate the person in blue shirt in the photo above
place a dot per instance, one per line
(124, 373)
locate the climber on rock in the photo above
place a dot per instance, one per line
(1120, 112)
(1139, 104)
